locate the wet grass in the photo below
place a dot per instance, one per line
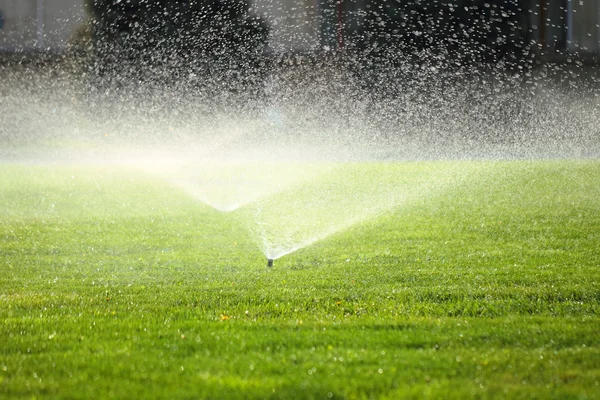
(115, 284)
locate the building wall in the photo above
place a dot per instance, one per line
(584, 16)
(309, 25)
(39, 24)
(566, 26)
(295, 24)
(559, 26)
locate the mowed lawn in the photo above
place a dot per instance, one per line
(116, 284)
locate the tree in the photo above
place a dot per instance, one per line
(161, 40)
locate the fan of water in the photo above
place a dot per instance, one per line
(227, 186)
(351, 194)
(306, 147)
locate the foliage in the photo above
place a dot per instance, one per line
(219, 41)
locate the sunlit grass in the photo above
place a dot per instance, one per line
(117, 284)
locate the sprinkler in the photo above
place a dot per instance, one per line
(269, 263)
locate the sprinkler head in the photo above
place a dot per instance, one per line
(269, 263)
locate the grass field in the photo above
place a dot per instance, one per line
(116, 284)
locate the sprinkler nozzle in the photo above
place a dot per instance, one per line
(269, 263)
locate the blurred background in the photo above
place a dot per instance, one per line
(555, 29)
(449, 69)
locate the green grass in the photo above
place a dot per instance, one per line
(115, 284)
